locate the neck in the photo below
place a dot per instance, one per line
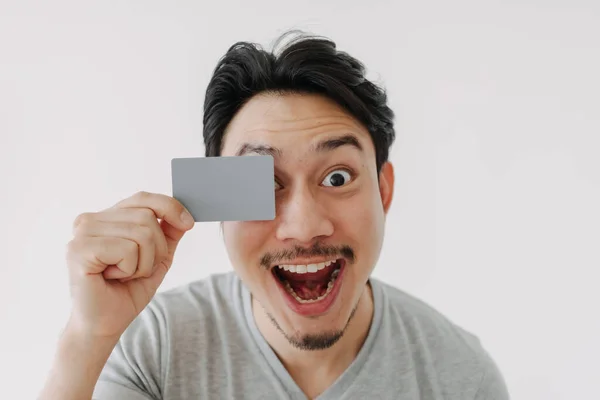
(316, 370)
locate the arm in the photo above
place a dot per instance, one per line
(77, 365)
(116, 262)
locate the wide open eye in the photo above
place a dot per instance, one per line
(339, 177)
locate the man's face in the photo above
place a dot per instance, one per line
(309, 266)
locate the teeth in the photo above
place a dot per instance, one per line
(300, 269)
(303, 269)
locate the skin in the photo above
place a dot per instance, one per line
(309, 212)
(118, 257)
(116, 260)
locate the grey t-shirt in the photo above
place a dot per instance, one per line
(200, 341)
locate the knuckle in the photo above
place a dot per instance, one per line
(141, 193)
(131, 247)
(174, 203)
(82, 218)
(144, 216)
(73, 246)
(177, 209)
(167, 202)
(77, 251)
(145, 234)
(105, 245)
(81, 227)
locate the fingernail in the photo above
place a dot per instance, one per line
(187, 218)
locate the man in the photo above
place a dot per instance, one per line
(300, 317)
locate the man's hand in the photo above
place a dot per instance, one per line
(119, 257)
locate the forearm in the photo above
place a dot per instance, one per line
(78, 362)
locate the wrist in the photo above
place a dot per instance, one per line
(79, 360)
(81, 342)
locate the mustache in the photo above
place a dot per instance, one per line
(317, 250)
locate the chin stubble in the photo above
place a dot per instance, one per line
(318, 341)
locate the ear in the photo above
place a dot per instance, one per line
(386, 185)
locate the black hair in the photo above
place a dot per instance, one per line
(307, 64)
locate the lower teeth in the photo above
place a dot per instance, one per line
(303, 301)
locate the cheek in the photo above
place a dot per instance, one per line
(244, 242)
(362, 220)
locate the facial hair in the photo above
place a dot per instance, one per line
(315, 341)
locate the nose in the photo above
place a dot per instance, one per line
(302, 219)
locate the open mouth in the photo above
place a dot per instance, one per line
(311, 283)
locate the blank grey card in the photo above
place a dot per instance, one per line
(225, 188)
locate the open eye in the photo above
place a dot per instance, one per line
(339, 177)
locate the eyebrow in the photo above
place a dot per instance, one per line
(260, 149)
(336, 142)
(323, 146)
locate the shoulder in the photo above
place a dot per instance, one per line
(436, 341)
(206, 295)
(198, 303)
(196, 311)
(164, 343)
(421, 320)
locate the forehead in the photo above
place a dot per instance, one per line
(290, 121)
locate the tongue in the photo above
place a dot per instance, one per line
(309, 289)
(309, 285)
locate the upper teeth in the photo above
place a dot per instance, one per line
(302, 269)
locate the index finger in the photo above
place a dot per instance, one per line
(164, 207)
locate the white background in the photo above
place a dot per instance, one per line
(496, 215)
